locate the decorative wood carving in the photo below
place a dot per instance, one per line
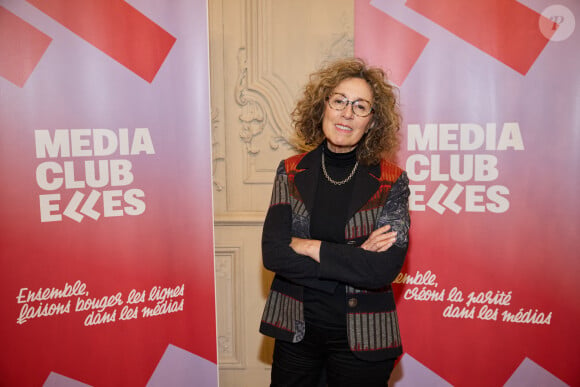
(217, 153)
(229, 293)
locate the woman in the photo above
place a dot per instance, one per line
(336, 234)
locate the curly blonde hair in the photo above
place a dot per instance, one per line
(381, 140)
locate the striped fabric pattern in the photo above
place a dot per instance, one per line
(298, 207)
(361, 224)
(280, 191)
(284, 188)
(286, 313)
(373, 331)
(365, 220)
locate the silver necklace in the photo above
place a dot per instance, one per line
(334, 181)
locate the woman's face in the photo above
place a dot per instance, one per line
(342, 128)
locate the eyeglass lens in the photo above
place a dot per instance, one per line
(360, 107)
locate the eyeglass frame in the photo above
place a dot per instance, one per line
(351, 103)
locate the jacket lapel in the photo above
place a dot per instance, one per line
(366, 181)
(307, 177)
(366, 185)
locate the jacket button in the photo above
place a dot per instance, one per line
(352, 302)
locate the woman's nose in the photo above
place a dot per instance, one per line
(348, 111)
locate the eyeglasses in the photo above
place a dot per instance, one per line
(360, 107)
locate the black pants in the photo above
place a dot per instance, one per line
(323, 358)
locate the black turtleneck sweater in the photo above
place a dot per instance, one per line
(328, 221)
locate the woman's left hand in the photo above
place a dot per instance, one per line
(380, 240)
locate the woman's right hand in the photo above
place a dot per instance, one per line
(380, 240)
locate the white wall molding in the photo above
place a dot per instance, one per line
(229, 292)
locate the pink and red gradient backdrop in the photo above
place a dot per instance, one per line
(463, 62)
(68, 74)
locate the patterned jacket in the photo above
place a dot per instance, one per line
(380, 197)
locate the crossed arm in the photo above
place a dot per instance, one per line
(378, 241)
(320, 264)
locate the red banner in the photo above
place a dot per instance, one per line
(106, 237)
(489, 92)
